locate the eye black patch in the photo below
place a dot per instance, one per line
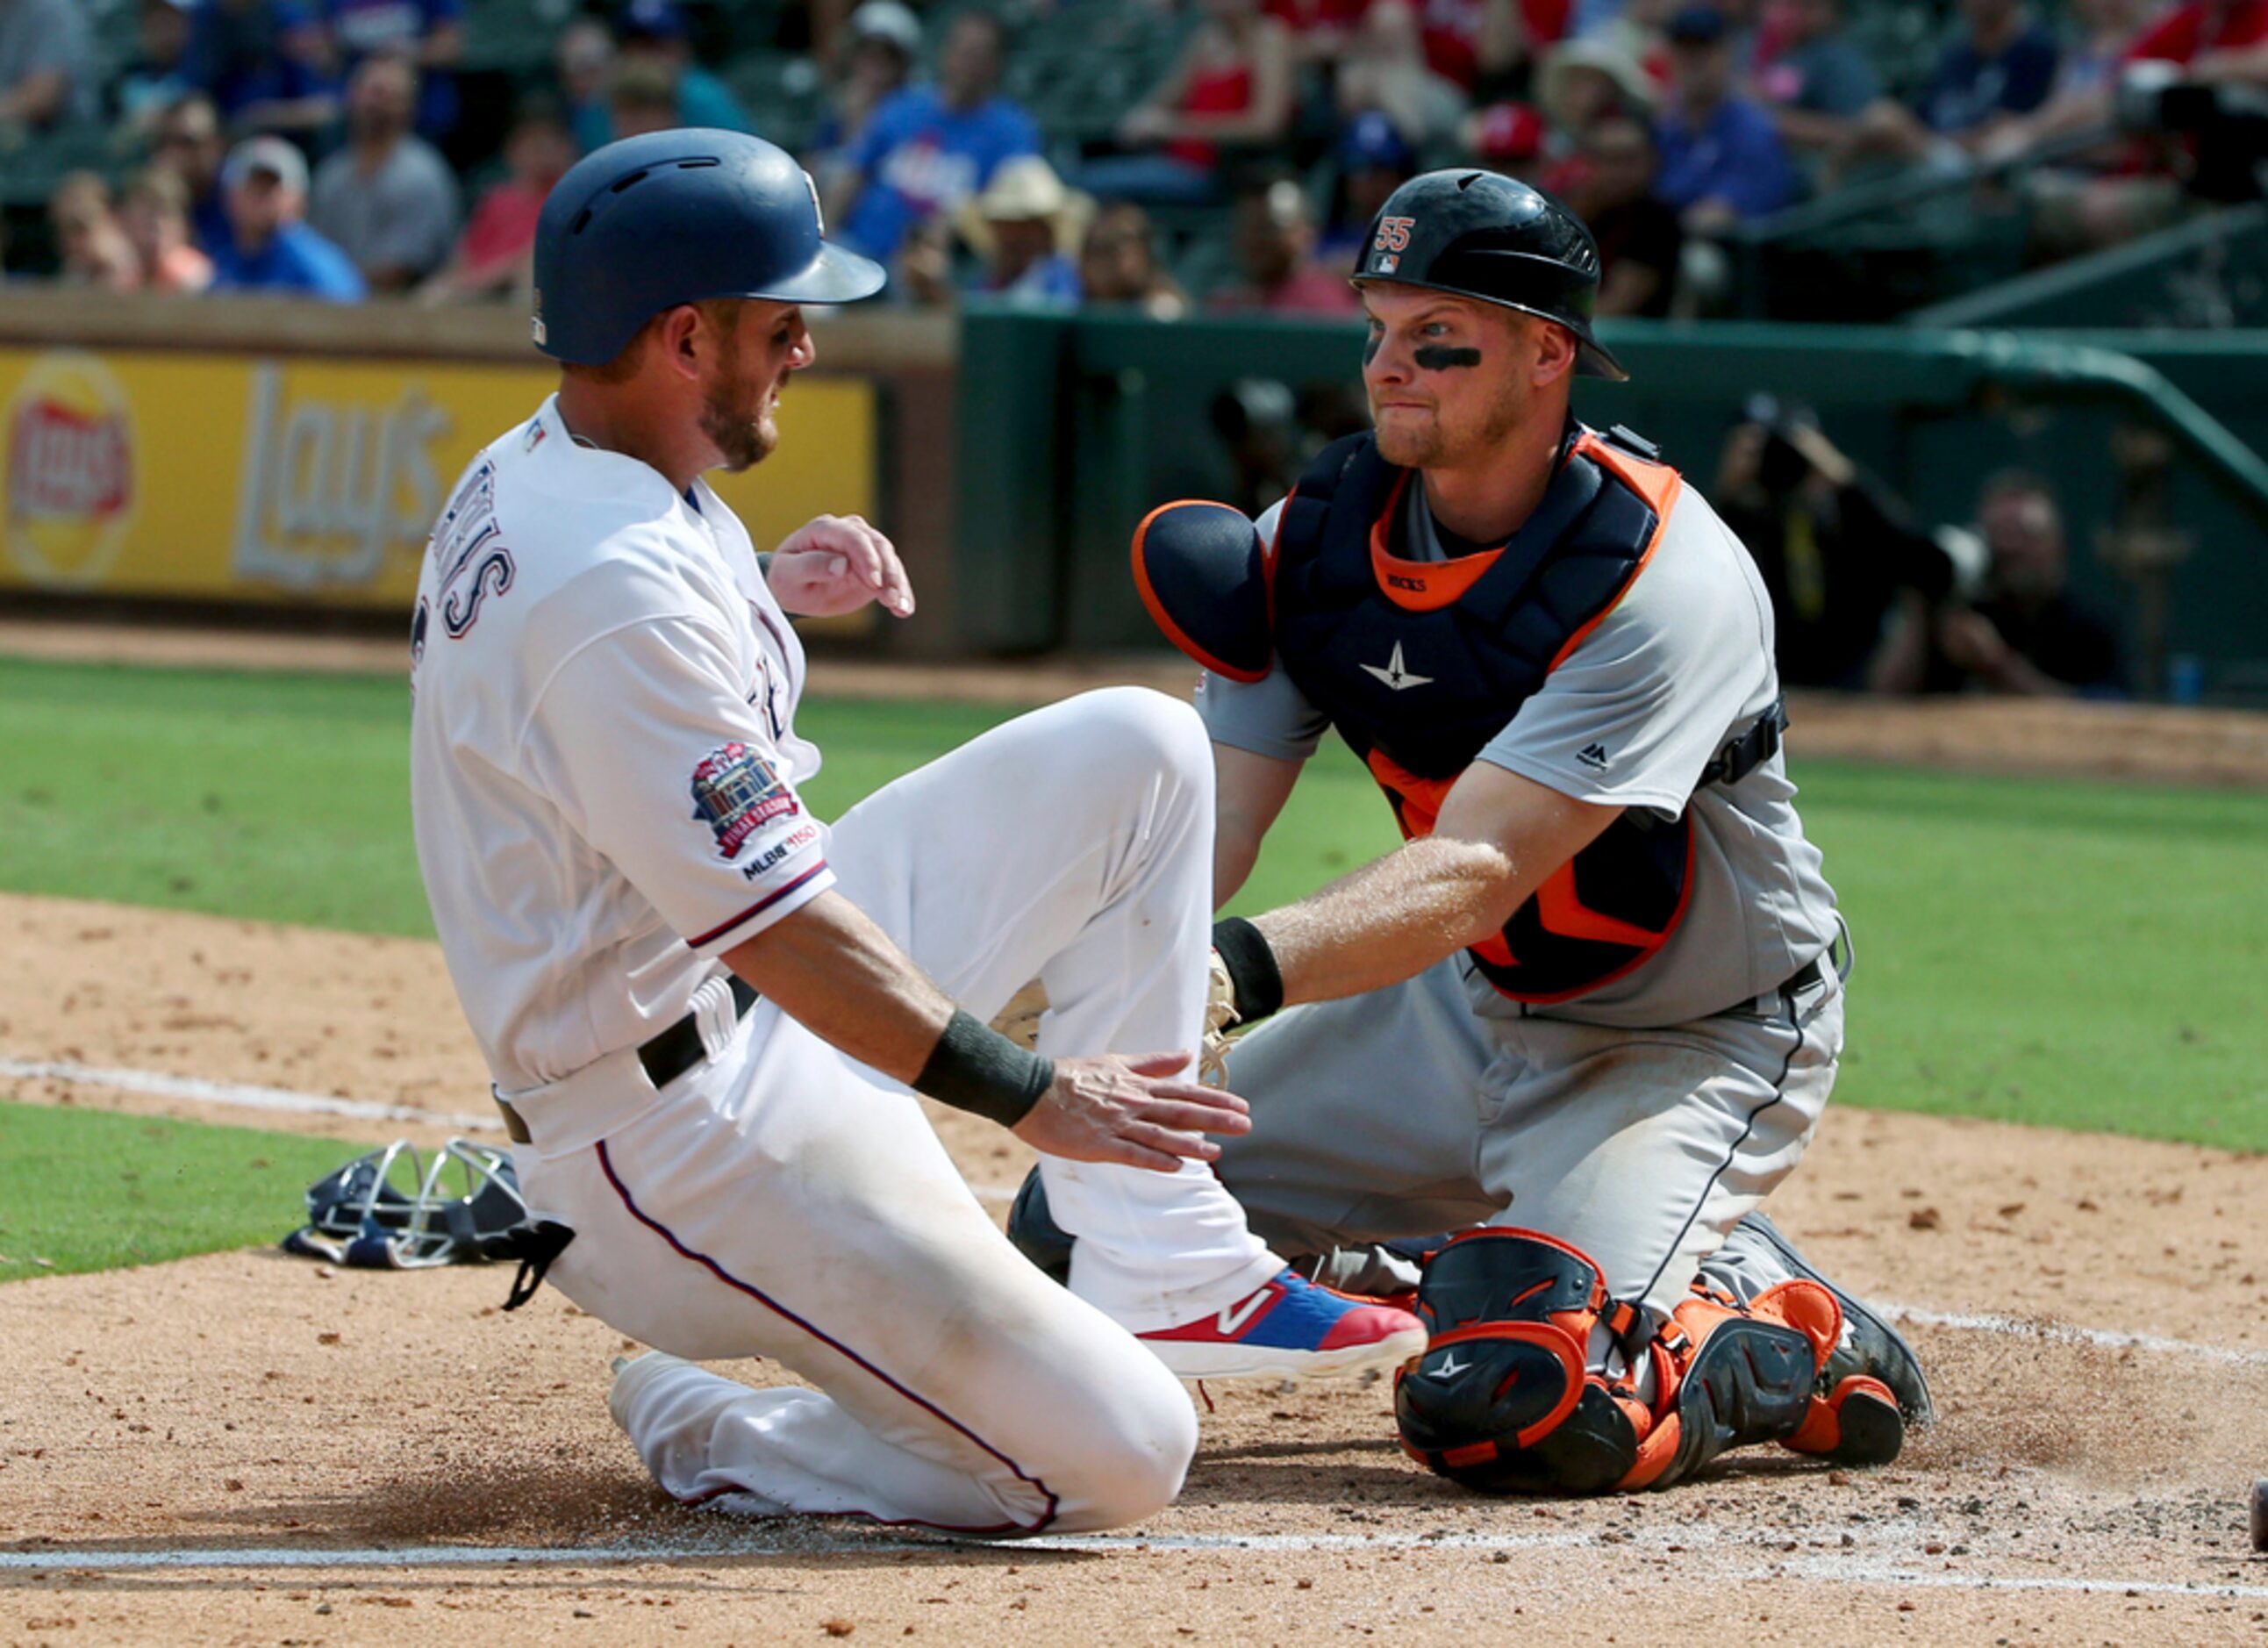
(1370, 349)
(1441, 358)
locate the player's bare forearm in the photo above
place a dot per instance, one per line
(1249, 792)
(836, 973)
(1388, 920)
(1499, 838)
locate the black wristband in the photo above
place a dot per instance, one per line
(975, 1068)
(1252, 970)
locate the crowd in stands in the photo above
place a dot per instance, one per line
(1864, 598)
(322, 146)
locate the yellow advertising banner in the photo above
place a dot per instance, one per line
(219, 478)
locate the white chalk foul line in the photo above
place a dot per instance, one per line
(195, 1091)
(1844, 1571)
(2063, 1334)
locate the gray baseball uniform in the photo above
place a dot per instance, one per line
(1641, 1121)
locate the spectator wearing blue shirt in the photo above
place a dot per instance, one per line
(928, 149)
(268, 249)
(430, 33)
(652, 41)
(2005, 64)
(2003, 67)
(879, 49)
(1722, 160)
(1818, 84)
(265, 63)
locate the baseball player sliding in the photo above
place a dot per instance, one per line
(1589, 1013)
(707, 1012)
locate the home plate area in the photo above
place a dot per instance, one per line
(252, 1447)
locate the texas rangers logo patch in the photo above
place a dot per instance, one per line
(736, 793)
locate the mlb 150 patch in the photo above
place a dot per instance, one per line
(735, 792)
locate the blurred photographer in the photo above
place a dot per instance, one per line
(1834, 548)
(2023, 634)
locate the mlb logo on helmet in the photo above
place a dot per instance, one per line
(735, 792)
(69, 479)
(1392, 239)
(536, 326)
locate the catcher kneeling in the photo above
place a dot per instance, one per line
(1588, 1014)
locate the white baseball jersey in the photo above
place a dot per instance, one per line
(603, 762)
(603, 778)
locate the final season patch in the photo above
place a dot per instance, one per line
(735, 792)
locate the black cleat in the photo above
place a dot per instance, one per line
(1871, 1345)
(1036, 1235)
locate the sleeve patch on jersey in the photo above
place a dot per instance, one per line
(736, 793)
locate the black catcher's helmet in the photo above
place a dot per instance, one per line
(1482, 235)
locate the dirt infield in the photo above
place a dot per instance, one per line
(248, 1447)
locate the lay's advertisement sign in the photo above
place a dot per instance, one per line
(218, 477)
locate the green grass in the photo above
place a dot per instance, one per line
(285, 797)
(2071, 955)
(92, 1190)
(2079, 955)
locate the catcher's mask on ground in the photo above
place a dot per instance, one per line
(398, 1209)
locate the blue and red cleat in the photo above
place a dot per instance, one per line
(1290, 1329)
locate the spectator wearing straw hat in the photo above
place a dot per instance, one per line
(1027, 227)
(1582, 81)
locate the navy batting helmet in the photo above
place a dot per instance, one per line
(1481, 235)
(678, 217)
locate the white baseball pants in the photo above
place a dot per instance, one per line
(1434, 1103)
(781, 1200)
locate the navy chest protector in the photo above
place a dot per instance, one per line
(1418, 665)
